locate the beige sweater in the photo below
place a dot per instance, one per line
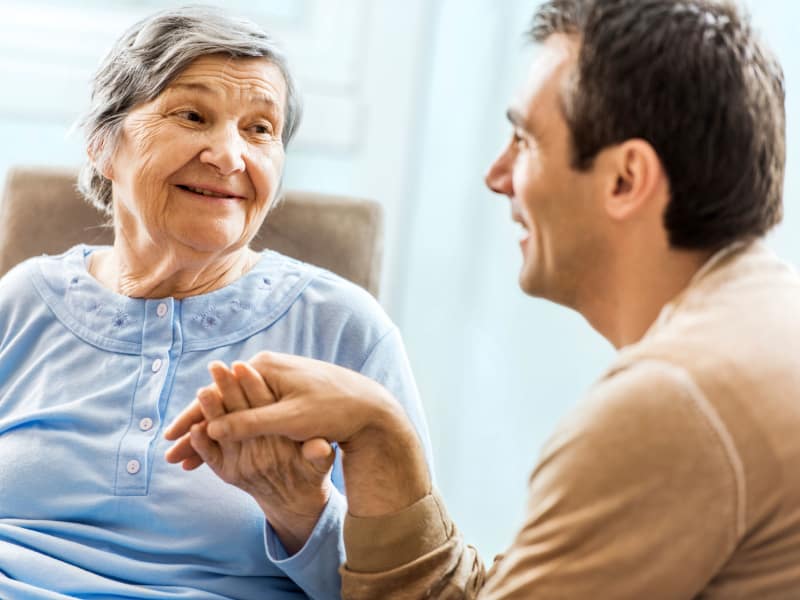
(678, 477)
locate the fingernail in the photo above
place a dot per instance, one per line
(204, 397)
(218, 430)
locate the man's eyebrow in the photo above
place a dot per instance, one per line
(518, 121)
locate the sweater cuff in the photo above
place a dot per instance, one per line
(382, 543)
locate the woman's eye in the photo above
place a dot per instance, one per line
(191, 115)
(262, 129)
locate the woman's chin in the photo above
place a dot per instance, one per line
(212, 242)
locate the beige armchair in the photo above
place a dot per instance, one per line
(41, 212)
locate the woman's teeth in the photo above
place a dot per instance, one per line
(205, 192)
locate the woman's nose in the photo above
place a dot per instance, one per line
(225, 151)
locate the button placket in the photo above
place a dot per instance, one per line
(157, 341)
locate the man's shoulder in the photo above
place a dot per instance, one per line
(643, 391)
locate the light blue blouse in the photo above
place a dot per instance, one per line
(88, 381)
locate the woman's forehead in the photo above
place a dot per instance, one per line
(256, 79)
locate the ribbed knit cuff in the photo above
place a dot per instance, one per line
(375, 544)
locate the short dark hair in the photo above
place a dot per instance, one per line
(693, 79)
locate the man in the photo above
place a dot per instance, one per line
(645, 165)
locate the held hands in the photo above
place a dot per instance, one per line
(304, 402)
(290, 484)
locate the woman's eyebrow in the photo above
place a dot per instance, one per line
(260, 97)
(193, 87)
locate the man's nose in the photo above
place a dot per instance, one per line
(498, 177)
(225, 150)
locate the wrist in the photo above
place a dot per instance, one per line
(385, 469)
(294, 527)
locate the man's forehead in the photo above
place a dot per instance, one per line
(545, 73)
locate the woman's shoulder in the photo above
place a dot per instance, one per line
(324, 301)
(23, 275)
(324, 287)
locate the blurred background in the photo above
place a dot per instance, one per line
(405, 104)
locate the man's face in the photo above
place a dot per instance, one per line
(558, 207)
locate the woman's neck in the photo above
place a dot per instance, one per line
(159, 274)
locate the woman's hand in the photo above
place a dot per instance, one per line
(384, 464)
(291, 490)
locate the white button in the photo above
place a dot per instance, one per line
(161, 309)
(146, 424)
(133, 467)
(156, 365)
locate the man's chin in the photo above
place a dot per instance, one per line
(529, 284)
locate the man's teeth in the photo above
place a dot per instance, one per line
(206, 192)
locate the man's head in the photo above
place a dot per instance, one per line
(688, 84)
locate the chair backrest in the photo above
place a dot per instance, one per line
(41, 212)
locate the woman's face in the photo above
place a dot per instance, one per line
(196, 169)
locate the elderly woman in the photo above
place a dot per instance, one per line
(101, 347)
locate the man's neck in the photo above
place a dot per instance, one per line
(637, 289)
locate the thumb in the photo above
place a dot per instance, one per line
(319, 453)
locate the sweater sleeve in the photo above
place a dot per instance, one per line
(639, 494)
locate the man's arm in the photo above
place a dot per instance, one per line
(637, 495)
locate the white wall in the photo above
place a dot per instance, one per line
(405, 103)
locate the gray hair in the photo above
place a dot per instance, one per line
(146, 59)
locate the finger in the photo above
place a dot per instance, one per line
(232, 396)
(207, 449)
(211, 402)
(183, 422)
(181, 450)
(273, 367)
(281, 418)
(190, 464)
(253, 385)
(319, 453)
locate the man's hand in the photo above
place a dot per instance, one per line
(384, 464)
(291, 490)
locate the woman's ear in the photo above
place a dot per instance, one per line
(100, 160)
(637, 180)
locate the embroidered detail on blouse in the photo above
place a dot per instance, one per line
(208, 318)
(120, 318)
(238, 306)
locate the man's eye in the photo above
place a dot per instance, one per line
(518, 140)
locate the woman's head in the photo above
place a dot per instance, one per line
(150, 55)
(191, 112)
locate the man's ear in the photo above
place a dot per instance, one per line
(636, 180)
